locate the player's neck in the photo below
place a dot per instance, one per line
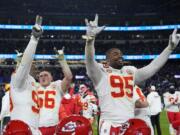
(45, 86)
(118, 67)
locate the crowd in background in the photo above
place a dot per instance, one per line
(73, 12)
(168, 75)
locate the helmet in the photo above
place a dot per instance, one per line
(137, 126)
(76, 125)
(17, 127)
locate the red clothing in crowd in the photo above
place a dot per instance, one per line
(69, 106)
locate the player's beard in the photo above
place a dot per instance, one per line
(117, 64)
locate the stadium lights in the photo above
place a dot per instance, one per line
(177, 76)
(83, 28)
(79, 77)
(98, 57)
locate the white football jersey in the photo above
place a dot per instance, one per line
(144, 114)
(5, 110)
(89, 108)
(49, 102)
(24, 102)
(116, 94)
(172, 101)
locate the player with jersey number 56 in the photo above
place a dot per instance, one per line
(24, 110)
(50, 94)
(115, 83)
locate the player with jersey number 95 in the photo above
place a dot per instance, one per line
(115, 82)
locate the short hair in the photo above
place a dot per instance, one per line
(109, 51)
(44, 69)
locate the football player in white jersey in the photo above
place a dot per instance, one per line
(50, 94)
(114, 83)
(172, 103)
(89, 103)
(23, 95)
(143, 113)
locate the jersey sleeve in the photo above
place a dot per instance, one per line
(103, 70)
(148, 71)
(94, 71)
(137, 94)
(22, 72)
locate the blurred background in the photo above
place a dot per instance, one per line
(113, 13)
(72, 13)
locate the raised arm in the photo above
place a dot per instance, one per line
(65, 84)
(148, 71)
(92, 67)
(24, 67)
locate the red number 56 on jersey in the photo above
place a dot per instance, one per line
(46, 99)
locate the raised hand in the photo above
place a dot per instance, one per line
(37, 30)
(59, 53)
(19, 57)
(174, 40)
(19, 54)
(92, 29)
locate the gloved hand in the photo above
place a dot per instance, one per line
(92, 29)
(174, 40)
(19, 57)
(59, 54)
(37, 30)
(19, 54)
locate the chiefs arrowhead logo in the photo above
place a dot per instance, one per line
(130, 72)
